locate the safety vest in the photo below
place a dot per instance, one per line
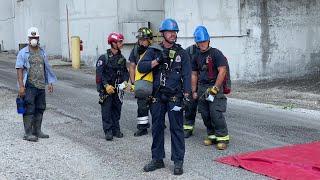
(143, 76)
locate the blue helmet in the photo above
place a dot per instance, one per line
(169, 25)
(201, 34)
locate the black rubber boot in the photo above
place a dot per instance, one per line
(141, 132)
(187, 133)
(117, 134)
(27, 122)
(153, 165)
(178, 168)
(37, 127)
(109, 135)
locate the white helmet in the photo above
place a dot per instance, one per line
(33, 32)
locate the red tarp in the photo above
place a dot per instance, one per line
(300, 161)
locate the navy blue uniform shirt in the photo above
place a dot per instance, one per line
(113, 71)
(199, 63)
(179, 75)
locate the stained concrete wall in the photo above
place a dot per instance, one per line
(94, 20)
(284, 39)
(6, 26)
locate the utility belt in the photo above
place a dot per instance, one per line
(103, 95)
(164, 99)
(165, 95)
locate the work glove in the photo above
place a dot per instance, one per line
(109, 88)
(132, 88)
(213, 90)
(123, 86)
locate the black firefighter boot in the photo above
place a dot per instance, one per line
(153, 165)
(27, 122)
(178, 168)
(188, 133)
(141, 132)
(109, 135)
(37, 126)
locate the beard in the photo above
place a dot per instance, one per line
(141, 49)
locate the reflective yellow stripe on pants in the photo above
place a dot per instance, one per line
(224, 138)
(187, 127)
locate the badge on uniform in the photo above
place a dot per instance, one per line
(178, 59)
(120, 61)
(99, 63)
(172, 53)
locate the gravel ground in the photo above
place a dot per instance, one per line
(42, 160)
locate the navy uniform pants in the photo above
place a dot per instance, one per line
(111, 112)
(158, 111)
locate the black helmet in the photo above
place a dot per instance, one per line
(144, 33)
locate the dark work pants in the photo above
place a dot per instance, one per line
(35, 101)
(143, 114)
(111, 112)
(190, 113)
(212, 113)
(158, 111)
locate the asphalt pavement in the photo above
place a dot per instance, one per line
(77, 149)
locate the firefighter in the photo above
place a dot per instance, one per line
(34, 73)
(191, 110)
(171, 70)
(112, 78)
(144, 37)
(209, 70)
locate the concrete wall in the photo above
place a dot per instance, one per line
(42, 14)
(94, 20)
(223, 21)
(284, 39)
(6, 26)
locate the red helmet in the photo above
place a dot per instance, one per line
(115, 37)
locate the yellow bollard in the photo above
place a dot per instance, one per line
(75, 51)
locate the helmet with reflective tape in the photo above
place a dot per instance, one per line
(169, 25)
(33, 32)
(144, 33)
(115, 37)
(201, 34)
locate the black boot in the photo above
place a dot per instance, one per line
(153, 165)
(188, 133)
(141, 132)
(117, 134)
(178, 168)
(27, 122)
(37, 126)
(109, 135)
